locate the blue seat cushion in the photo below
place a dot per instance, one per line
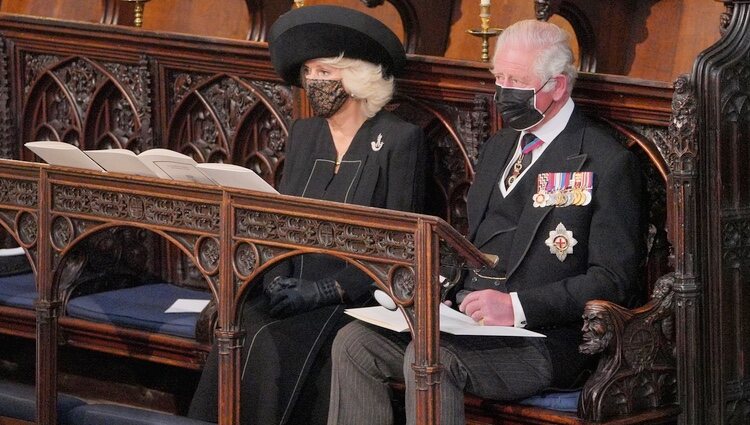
(566, 401)
(18, 401)
(113, 414)
(141, 307)
(18, 290)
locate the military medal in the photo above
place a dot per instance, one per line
(587, 186)
(563, 189)
(561, 242)
(540, 197)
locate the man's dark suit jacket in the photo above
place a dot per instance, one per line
(606, 261)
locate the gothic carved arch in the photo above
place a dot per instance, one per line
(60, 95)
(229, 119)
(96, 257)
(453, 136)
(9, 231)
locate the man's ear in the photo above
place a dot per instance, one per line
(561, 87)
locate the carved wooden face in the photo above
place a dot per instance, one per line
(597, 330)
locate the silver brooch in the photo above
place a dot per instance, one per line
(376, 146)
(561, 242)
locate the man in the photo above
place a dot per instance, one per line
(557, 199)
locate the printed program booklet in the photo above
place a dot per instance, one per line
(157, 163)
(451, 321)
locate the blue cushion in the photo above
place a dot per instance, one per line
(113, 414)
(19, 401)
(18, 290)
(141, 307)
(561, 401)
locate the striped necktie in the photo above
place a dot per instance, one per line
(529, 142)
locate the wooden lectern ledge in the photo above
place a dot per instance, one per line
(231, 236)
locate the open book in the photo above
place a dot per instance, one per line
(451, 321)
(63, 154)
(159, 163)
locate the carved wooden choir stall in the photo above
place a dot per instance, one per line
(218, 100)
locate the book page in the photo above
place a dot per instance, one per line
(456, 323)
(231, 175)
(380, 316)
(174, 165)
(121, 161)
(62, 154)
(451, 321)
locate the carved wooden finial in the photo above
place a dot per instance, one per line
(542, 9)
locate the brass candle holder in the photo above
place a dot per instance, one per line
(138, 11)
(485, 32)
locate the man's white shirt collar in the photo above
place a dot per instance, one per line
(547, 133)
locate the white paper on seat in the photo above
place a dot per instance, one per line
(10, 252)
(183, 305)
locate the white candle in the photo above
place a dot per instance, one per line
(484, 2)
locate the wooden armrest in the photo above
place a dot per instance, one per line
(637, 368)
(204, 327)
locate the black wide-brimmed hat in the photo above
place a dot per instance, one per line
(324, 31)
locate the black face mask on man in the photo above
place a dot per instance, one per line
(326, 96)
(518, 107)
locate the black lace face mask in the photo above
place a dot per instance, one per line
(326, 96)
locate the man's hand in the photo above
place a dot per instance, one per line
(489, 307)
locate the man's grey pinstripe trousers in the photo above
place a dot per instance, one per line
(365, 358)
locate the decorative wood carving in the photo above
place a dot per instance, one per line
(543, 9)
(8, 147)
(328, 234)
(454, 134)
(60, 95)
(637, 371)
(135, 208)
(22, 193)
(228, 119)
(713, 295)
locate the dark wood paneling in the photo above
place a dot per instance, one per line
(650, 39)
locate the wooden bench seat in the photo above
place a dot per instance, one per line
(116, 314)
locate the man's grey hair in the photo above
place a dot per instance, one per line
(550, 42)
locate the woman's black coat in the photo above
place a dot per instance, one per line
(285, 362)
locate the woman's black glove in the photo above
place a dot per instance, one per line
(278, 283)
(289, 295)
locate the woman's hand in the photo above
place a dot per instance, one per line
(300, 295)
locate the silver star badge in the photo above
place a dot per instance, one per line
(561, 242)
(376, 146)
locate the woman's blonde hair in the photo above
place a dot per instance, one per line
(364, 81)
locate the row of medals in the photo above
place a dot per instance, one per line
(562, 198)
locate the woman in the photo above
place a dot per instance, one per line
(352, 151)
